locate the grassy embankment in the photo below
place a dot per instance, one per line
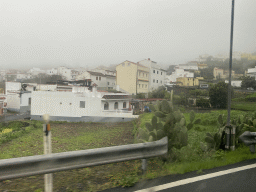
(80, 136)
(245, 103)
(71, 137)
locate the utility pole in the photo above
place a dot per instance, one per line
(230, 130)
(230, 62)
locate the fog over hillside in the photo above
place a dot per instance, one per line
(92, 33)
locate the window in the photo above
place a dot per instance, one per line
(157, 72)
(146, 86)
(82, 104)
(161, 82)
(100, 78)
(156, 81)
(116, 105)
(139, 85)
(153, 80)
(108, 83)
(142, 86)
(139, 74)
(96, 78)
(124, 105)
(106, 106)
(29, 100)
(154, 71)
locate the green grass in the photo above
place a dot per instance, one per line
(71, 137)
(231, 157)
(67, 136)
(244, 106)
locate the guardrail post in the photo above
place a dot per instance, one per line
(47, 150)
(227, 131)
(144, 166)
(233, 138)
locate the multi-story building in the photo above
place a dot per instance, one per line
(178, 73)
(65, 72)
(102, 81)
(104, 71)
(187, 81)
(2, 75)
(192, 66)
(221, 73)
(251, 72)
(202, 65)
(35, 71)
(132, 77)
(52, 71)
(156, 74)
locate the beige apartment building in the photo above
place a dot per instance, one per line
(187, 81)
(132, 77)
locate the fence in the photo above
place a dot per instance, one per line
(43, 164)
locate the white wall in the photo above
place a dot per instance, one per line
(49, 102)
(13, 101)
(12, 86)
(154, 77)
(111, 81)
(235, 83)
(24, 100)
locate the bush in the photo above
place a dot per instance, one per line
(203, 103)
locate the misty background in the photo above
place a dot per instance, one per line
(89, 33)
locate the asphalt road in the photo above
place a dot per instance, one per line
(212, 180)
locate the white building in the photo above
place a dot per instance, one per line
(188, 66)
(235, 83)
(103, 81)
(35, 71)
(65, 72)
(81, 105)
(178, 73)
(252, 72)
(156, 74)
(104, 71)
(12, 86)
(2, 75)
(53, 71)
(17, 100)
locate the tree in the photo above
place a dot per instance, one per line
(158, 93)
(207, 73)
(219, 95)
(203, 103)
(248, 82)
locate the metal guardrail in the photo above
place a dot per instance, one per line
(42, 164)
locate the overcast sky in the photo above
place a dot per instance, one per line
(37, 33)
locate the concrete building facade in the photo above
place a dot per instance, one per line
(132, 77)
(156, 74)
